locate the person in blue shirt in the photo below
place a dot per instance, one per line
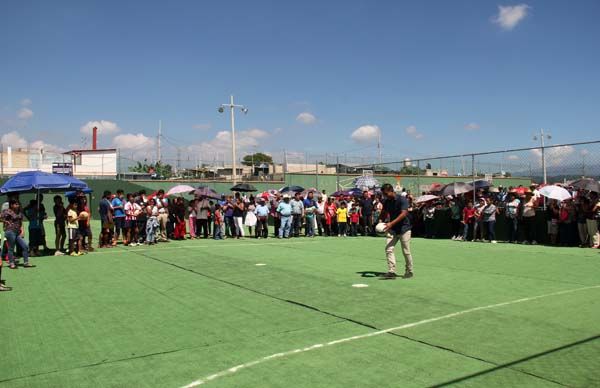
(262, 218)
(284, 209)
(310, 208)
(118, 215)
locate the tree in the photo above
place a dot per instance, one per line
(161, 170)
(257, 158)
(411, 170)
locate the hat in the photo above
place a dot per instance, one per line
(286, 196)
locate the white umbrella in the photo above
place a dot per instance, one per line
(555, 192)
(179, 189)
(426, 198)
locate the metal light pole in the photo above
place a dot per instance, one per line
(541, 137)
(232, 107)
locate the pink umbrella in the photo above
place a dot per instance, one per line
(180, 189)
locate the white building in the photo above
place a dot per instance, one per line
(99, 163)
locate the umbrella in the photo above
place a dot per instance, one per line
(436, 187)
(520, 190)
(39, 181)
(204, 191)
(316, 193)
(294, 189)
(179, 189)
(555, 192)
(74, 193)
(243, 188)
(481, 184)
(348, 193)
(587, 184)
(456, 188)
(366, 182)
(426, 198)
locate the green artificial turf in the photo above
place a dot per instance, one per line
(167, 315)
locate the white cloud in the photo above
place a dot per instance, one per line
(15, 140)
(306, 118)
(513, 157)
(202, 127)
(509, 16)
(472, 127)
(254, 133)
(277, 131)
(26, 102)
(105, 127)
(555, 156)
(24, 113)
(220, 146)
(132, 141)
(411, 130)
(366, 134)
(136, 144)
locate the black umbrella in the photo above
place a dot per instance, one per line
(204, 191)
(481, 184)
(243, 188)
(294, 189)
(587, 184)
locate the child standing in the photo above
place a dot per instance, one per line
(218, 223)
(355, 215)
(342, 219)
(73, 229)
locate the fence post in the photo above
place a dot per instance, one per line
(418, 178)
(337, 173)
(473, 171)
(317, 175)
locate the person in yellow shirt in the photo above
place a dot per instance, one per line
(73, 229)
(342, 219)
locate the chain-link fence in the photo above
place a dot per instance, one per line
(553, 163)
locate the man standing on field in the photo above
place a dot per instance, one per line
(398, 228)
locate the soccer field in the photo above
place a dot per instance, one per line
(206, 313)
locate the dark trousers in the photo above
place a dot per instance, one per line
(277, 224)
(354, 229)
(456, 224)
(229, 227)
(491, 230)
(202, 227)
(296, 224)
(529, 228)
(513, 225)
(429, 228)
(320, 223)
(261, 227)
(342, 228)
(367, 222)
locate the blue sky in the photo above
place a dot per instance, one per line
(435, 77)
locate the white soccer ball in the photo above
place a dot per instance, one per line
(380, 227)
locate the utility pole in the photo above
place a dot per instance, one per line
(541, 137)
(232, 107)
(158, 150)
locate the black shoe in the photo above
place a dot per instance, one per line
(389, 276)
(408, 275)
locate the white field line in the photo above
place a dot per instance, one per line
(237, 368)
